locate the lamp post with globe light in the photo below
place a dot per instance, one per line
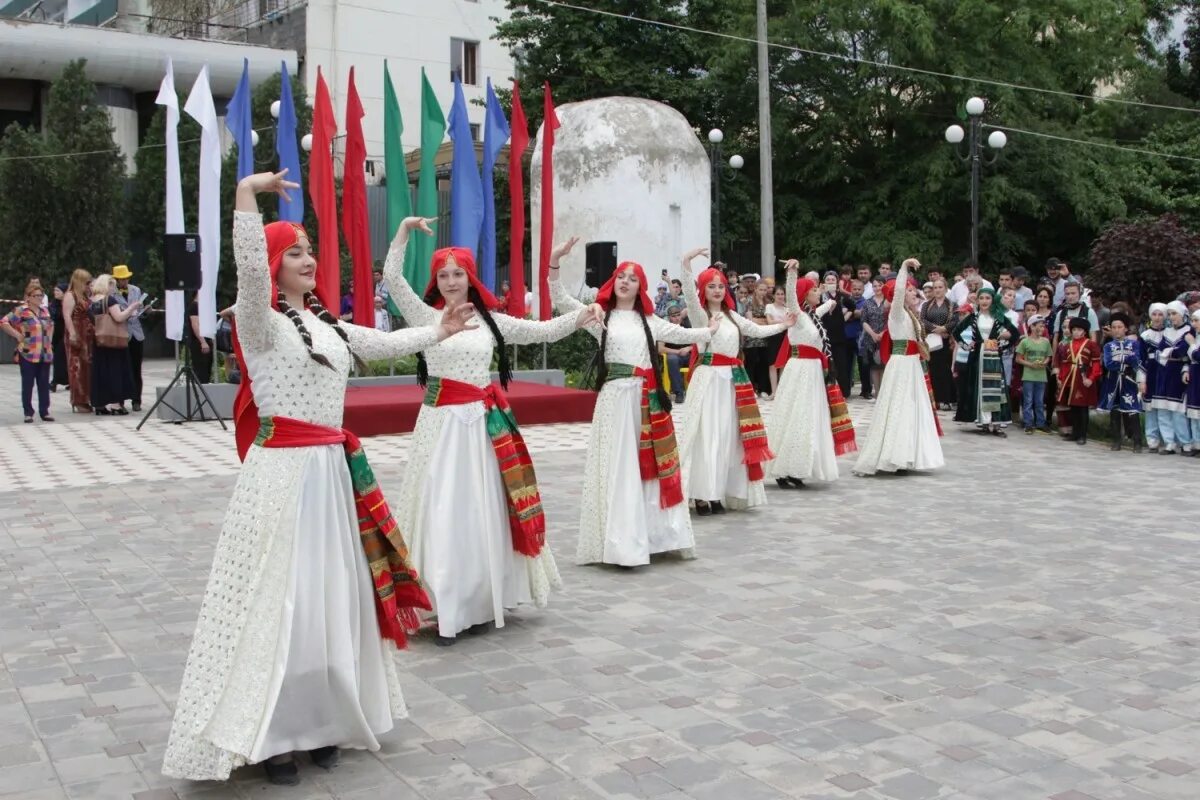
(736, 162)
(975, 157)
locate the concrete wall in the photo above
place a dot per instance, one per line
(409, 34)
(630, 171)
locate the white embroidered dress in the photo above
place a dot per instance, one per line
(903, 432)
(620, 521)
(710, 445)
(287, 653)
(452, 504)
(800, 433)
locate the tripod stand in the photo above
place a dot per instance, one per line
(193, 389)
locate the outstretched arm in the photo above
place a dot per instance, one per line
(415, 310)
(563, 302)
(530, 331)
(753, 330)
(789, 288)
(665, 331)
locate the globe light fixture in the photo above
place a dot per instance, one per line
(275, 110)
(955, 134)
(975, 106)
(254, 138)
(306, 142)
(976, 157)
(716, 136)
(737, 162)
(997, 140)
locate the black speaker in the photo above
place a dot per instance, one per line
(181, 261)
(601, 260)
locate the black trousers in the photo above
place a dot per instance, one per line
(1079, 422)
(864, 374)
(843, 365)
(1125, 425)
(136, 349)
(202, 363)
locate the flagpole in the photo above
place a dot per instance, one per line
(766, 225)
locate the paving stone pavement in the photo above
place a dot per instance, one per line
(1022, 625)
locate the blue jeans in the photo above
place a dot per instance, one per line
(35, 373)
(1175, 428)
(1154, 422)
(674, 370)
(1033, 404)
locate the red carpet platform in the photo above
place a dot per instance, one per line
(375, 410)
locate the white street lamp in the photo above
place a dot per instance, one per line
(737, 162)
(254, 138)
(975, 106)
(306, 142)
(275, 110)
(974, 157)
(716, 136)
(997, 140)
(954, 134)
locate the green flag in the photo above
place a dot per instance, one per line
(433, 130)
(399, 202)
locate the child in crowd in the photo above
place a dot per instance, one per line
(1079, 368)
(1033, 355)
(1193, 381)
(1119, 394)
(1170, 394)
(1150, 342)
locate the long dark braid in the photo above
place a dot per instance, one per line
(651, 347)
(292, 314)
(314, 305)
(602, 369)
(504, 365)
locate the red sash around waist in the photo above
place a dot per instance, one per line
(789, 350)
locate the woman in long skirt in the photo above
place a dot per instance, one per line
(904, 430)
(938, 317)
(723, 446)
(469, 501)
(984, 400)
(311, 589)
(632, 504)
(80, 340)
(811, 425)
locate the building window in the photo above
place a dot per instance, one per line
(475, 131)
(464, 61)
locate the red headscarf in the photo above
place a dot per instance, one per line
(465, 259)
(281, 237)
(711, 275)
(803, 287)
(889, 288)
(606, 297)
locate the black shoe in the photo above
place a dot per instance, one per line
(782, 483)
(703, 509)
(103, 412)
(476, 630)
(137, 407)
(1137, 448)
(1115, 446)
(717, 508)
(28, 420)
(285, 774)
(1029, 431)
(121, 411)
(1081, 440)
(325, 757)
(446, 641)
(796, 482)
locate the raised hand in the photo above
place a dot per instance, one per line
(715, 322)
(694, 253)
(271, 183)
(455, 321)
(561, 249)
(790, 318)
(912, 264)
(792, 265)
(421, 224)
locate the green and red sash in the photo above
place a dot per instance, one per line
(658, 454)
(840, 423)
(908, 347)
(751, 428)
(526, 520)
(398, 592)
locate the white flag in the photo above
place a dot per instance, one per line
(167, 97)
(200, 107)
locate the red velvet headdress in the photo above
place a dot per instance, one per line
(606, 297)
(281, 237)
(465, 259)
(709, 276)
(803, 287)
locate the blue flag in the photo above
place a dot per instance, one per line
(495, 134)
(288, 150)
(237, 120)
(466, 191)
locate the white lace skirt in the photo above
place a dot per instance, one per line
(329, 683)
(800, 436)
(711, 443)
(620, 519)
(462, 544)
(903, 432)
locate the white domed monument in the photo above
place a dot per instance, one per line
(629, 171)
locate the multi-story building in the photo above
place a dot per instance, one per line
(127, 43)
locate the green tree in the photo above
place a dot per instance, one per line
(65, 208)
(1146, 260)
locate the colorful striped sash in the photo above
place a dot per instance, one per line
(789, 350)
(398, 591)
(991, 379)
(526, 519)
(658, 454)
(751, 428)
(840, 423)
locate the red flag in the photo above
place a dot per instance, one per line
(547, 240)
(354, 210)
(324, 197)
(516, 197)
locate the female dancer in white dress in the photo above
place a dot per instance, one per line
(469, 503)
(632, 504)
(289, 652)
(724, 443)
(801, 433)
(904, 430)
